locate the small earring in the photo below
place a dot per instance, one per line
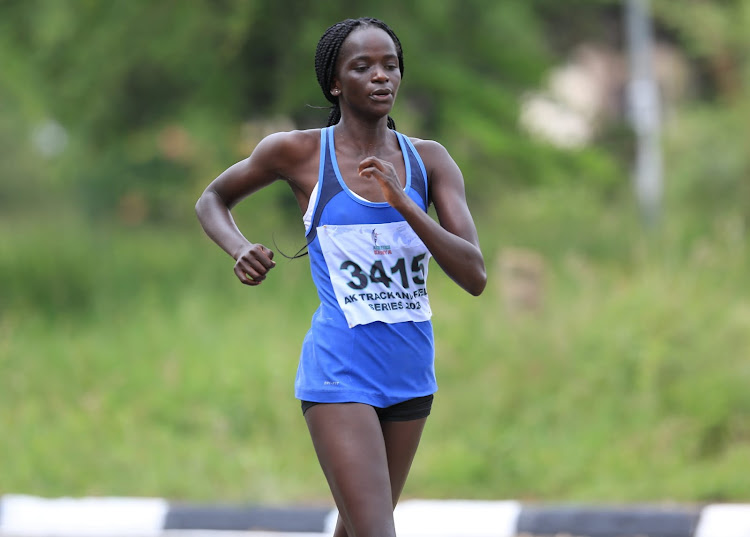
(335, 91)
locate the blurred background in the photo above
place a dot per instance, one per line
(608, 359)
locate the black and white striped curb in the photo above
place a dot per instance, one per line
(29, 516)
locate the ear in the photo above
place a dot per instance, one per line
(335, 86)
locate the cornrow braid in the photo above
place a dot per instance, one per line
(327, 54)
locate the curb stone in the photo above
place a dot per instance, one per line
(30, 516)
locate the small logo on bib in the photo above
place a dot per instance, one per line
(379, 249)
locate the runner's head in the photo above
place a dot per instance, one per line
(327, 53)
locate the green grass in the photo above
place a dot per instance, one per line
(132, 363)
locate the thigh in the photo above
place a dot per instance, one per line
(401, 440)
(351, 448)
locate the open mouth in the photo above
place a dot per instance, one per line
(381, 94)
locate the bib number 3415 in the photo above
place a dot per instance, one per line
(379, 274)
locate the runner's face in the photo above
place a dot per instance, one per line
(368, 73)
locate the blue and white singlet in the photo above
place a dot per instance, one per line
(371, 338)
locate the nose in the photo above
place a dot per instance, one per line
(380, 74)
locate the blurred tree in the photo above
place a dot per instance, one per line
(153, 96)
(715, 36)
(711, 161)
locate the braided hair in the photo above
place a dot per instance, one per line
(327, 54)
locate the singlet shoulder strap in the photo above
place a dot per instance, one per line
(418, 171)
(328, 185)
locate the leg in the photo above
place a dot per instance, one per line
(401, 442)
(351, 448)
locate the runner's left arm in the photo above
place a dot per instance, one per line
(453, 240)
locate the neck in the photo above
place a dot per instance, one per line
(364, 136)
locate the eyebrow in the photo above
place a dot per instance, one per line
(368, 57)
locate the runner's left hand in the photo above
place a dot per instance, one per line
(385, 173)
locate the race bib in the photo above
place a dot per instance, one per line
(378, 272)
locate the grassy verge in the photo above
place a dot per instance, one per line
(132, 363)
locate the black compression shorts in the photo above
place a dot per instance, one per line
(411, 409)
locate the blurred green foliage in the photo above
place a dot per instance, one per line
(154, 96)
(126, 344)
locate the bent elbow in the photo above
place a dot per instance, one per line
(479, 285)
(476, 285)
(199, 211)
(201, 207)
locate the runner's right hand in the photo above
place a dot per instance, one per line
(253, 263)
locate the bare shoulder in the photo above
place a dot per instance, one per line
(289, 148)
(433, 154)
(427, 146)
